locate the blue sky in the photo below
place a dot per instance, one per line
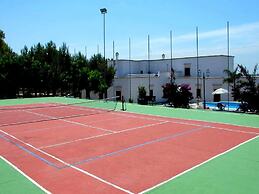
(80, 24)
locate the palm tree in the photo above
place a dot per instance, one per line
(233, 77)
(250, 89)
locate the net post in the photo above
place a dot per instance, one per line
(123, 107)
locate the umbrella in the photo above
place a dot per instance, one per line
(220, 91)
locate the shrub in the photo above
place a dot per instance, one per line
(177, 95)
(245, 89)
(142, 99)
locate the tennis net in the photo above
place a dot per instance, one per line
(24, 114)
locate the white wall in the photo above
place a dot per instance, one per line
(215, 64)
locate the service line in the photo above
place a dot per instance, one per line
(102, 135)
(68, 165)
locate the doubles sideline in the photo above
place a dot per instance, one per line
(25, 175)
(194, 167)
(68, 165)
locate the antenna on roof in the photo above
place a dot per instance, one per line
(163, 56)
(117, 55)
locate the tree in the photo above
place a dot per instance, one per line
(244, 88)
(52, 60)
(9, 70)
(48, 70)
(65, 61)
(99, 63)
(249, 91)
(79, 74)
(232, 78)
(9, 75)
(97, 82)
(4, 48)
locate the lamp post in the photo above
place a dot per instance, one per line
(171, 50)
(130, 68)
(148, 54)
(204, 98)
(197, 65)
(204, 87)
(228, 57)
(103, 11)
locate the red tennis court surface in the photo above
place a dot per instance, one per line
(109, 152)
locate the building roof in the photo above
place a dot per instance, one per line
(177, 58)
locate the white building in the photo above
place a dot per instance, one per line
(130, 74)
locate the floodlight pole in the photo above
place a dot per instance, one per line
(228, 57)
(204, 98)
(113, 53)
(204, 86)
(197, 63)
(103, 11)
(148, 48)
(171, 51)
(130, 65)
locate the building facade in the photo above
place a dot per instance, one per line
(153, 74)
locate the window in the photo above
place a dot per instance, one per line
(187, 71)
(151, 93)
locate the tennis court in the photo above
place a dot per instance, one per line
(93, 147)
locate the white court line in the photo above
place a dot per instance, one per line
(234, 130)
(8, 111)
(90, 126)
(28, 122)
(131, 116)
(194, 167)
(73, 122)
(191, 119)
(25, 175)
(87, 108)
(20, 108)
(197, 165)
(192, 124)
(119, 113)
(32, 130)
(102, 120)
(130, 129)
(177, 122)
(69, 165)
(102, 135)
(148, 125)
(138, 116)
